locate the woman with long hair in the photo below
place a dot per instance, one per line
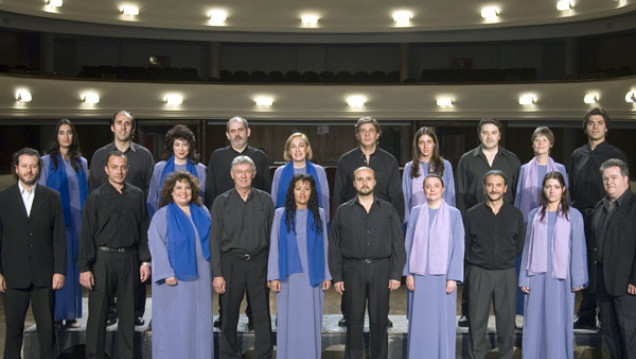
(425, 159)
(180, 155)
(434, 266)
(298, 271)
(178, 239)
(64, 170)
(553, 268)
(298, 153)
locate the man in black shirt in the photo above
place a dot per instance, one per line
(113, 243)
(239, 243)
(586, 189)
(366, 260)
(470, 173)
(495, 234)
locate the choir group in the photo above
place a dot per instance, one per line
(523, 238)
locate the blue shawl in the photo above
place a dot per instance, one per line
(289, 258)
(57, 180)
(285, 178)
(180, 239)
(169, 168)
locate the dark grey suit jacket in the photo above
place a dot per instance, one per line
(32, 248)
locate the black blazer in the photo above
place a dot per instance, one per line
(32, 248)
(619, 248)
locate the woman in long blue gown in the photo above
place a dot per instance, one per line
(64, 170)
(180, 155)
(178, 239)
(298, 271)
(434, 266)
(553, 268)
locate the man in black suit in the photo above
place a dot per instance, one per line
(614, 235)
(32, 253)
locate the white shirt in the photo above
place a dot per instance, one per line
(27, 197)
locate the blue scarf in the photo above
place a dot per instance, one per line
(285, 178)
(180, 237)
(169, 168)
(58, 181)
(289, 258)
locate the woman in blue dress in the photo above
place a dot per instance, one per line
(180, 155)
(64, 170)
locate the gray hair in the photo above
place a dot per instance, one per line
(499, 173)
(615, 162)
(236, 118)
(241, 160)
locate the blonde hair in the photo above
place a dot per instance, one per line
(286, 155)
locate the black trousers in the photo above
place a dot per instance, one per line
(116, 274)
(619, 320)
(240, 276)
(366, 283)
(16, 303)
(587, 308)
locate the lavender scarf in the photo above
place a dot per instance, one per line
(538, 247)
(532, 186)
(432, 248)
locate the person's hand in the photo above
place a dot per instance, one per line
(339, 287)
(144, 272)
(451, 285)
(410, 282)
(631, 289)
(172, 281)
(219, 285)
(58, 281)
(394, 284)
(3, 284)
(274, 285)
(326, 284)
(577, 289)
(87, 280)
(525, 290)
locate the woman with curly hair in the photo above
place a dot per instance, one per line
(298, 271)
(180, 155)
(64, 170)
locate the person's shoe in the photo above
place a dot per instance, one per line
(217, 322)
(58, 324)
(139, 321)
(73, 324)
(463, 321)
(389, 323)
(111, 321)
(342, 322)
(580, 323)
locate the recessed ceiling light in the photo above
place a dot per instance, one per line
(264, 101)
(129, 10)
(53, 3)
(630, 96)
(591, 98)
(564, 5)
(490, 13)
(309, 19)
(356, 101)
(217, 17)
(445, 102)
(528, 99)
(90, 98)
(23, 96)
(173, 99)
(402, 17)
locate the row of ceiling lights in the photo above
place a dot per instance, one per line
(401, 17)
(354, 101)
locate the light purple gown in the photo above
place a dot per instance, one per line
(407, 186)
(154, 190)
(298, 304)
(181, 315)
(68, 299)
(321, 181)
(549, 308)
(432, 320)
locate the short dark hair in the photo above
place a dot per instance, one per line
(29, 152)
(615, 162)
(367, 119)
(116, 153)
(171, 181)
(596, 111)
(485, 121)
(125, 113)
(499, 173)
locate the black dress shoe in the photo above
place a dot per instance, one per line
(217, 322)
(342, 322)
(389, 323)
(463, 321)
(589, 324)
(111, 321)
(139, 321)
